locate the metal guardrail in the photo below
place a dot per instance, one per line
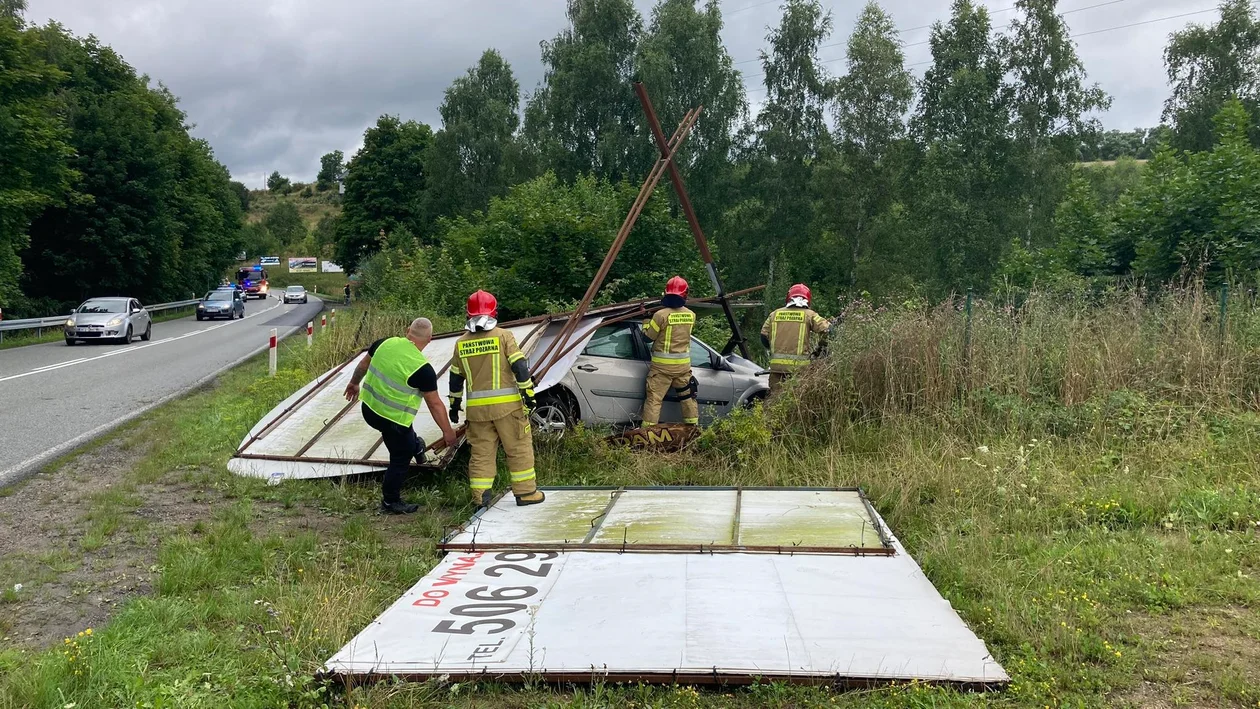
(40, 324)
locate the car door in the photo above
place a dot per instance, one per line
(717, 388)
(612, 374)
(139, 317)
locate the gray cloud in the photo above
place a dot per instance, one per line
(274, 84)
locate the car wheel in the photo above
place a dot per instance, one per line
(148, 333)
(126, 339)
(69, 342)
(200, 317)
(553, 416)
(754, 400)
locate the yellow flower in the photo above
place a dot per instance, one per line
(88, 631)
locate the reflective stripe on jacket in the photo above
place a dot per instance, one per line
(789, 330)
(669, 329)
(485, 360)
(385, 389)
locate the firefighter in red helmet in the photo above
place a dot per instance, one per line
(669, 331)
(786, 334)
(490, 371)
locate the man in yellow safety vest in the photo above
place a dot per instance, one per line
(490, 369)
(786, 333)
(390, 381)
(669, 331)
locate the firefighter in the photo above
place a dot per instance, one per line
(395, 375)
(786, 334)
(669, 331)
(489, 369)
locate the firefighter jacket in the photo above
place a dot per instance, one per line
(490, 370)
(789, 330)
(670, 333)
(385, 389)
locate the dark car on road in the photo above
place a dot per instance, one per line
(221, 303)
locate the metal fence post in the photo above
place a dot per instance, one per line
(967, 333)
(1224, 312)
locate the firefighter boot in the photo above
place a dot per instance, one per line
(532, 498)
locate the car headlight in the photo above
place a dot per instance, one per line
(116, 321)
(69, 323)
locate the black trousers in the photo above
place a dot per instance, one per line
(402, 443)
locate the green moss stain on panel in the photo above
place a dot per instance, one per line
(805, 518)
(670, 517)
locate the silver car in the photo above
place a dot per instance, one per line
(117, 319)
(221, 303)
(295, 294)
(608, 381)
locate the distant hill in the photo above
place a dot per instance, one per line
(312, 205)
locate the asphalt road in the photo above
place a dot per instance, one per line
(54, 398)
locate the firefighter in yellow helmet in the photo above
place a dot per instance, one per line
(490, 368)
(669, 331)
(787, 332)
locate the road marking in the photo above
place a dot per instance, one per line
(136, 348)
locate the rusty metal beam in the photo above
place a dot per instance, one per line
(684, 201)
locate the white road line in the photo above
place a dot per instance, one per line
(136, 348)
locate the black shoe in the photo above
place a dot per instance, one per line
(487, 497)
(398, 508)
(419, 456)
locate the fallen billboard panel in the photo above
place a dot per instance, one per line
(851, 620)
(700, 519)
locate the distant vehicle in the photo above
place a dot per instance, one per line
(252, 280)
(294, 294)
(117, 319)
(222, 302)
(607, 383)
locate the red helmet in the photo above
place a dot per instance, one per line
(800, 290)
(676, 286)
(482, 303)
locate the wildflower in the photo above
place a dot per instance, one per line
(982, 449)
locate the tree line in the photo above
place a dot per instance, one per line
(102, 189)
(866, 180)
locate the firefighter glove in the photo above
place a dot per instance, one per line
(456, 403)
(527, 396)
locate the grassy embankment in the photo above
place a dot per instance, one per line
(1081, 483)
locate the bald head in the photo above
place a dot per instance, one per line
(420, 332)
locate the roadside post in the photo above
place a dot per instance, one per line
(310, 332)
(334, 316)
(271, 355)
(323, 321)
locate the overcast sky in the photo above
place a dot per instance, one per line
(274, 84)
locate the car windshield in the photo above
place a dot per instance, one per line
(252, 276)
(295, 289)
(98, 307)
(219, 295)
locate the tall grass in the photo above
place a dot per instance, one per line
(1055, 351)
(357, 328)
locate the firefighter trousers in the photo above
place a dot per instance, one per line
(660, 379)
(485, 437)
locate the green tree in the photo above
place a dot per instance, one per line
(790, 132)
(386, 185)
(856, 183)
(325, 235)
(471, 158)
(961, 191)
(1199, 214)
(285, 223)
(683, 63)
(582, 119)
(278, 184)
(1082, 230)
(1051, 101)
(34, 149)
(157, 218)
(242, 194)
(12, 9)
(1207, 66)
(517, 244)
(331, 166)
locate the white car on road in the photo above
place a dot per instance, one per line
(295, 294)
